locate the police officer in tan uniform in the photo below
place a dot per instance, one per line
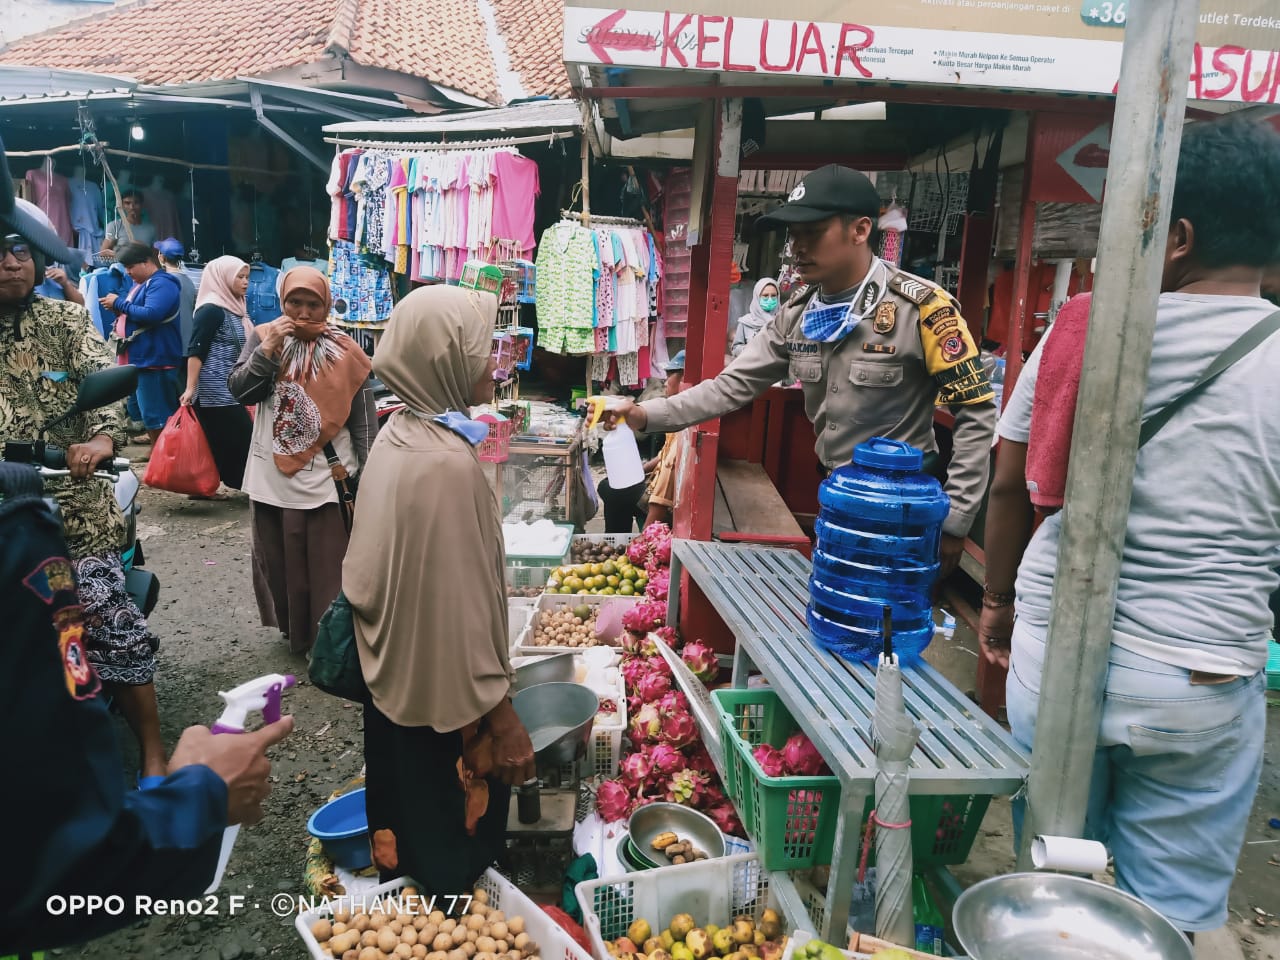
(874, 349)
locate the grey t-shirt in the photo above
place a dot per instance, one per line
(143, 232)
(1203, 539)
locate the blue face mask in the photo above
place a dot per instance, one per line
(473, 431)
(768, 304)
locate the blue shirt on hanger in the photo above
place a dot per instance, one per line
(263, 297)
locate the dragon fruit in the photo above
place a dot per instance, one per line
(802, 758)
(653, 686)
(646, 725)
(613, 801)
(726, 818)
(699, 759)
(686, 786)
(633, 668)
(701, 659)
(666, 759)
(636, 768)
(714, 795)
(771, 760)
(644, 618)
(659, 588)
(679, 729)
(638, 552)
(674, 702)
(660, 558)
(669, 636)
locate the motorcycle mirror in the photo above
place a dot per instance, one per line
(100, 389)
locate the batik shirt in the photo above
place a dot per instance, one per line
(46, 349)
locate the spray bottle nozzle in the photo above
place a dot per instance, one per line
(260, 695)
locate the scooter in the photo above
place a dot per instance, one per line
(99, 389)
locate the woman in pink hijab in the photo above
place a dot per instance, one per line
(217, 337)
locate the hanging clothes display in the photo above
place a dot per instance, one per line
(162, 209)
(597, 293)
(361, 292)
(88, 212)
(52, 194)
(263, 296)
(428, 212)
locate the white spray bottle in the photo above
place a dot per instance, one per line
(257, 696)
(622, 463)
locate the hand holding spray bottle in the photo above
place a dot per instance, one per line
(257, 696)
(622, 463)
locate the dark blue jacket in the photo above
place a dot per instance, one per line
(75, 829)
(153, 314)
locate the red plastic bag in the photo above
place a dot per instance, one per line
(181, 461)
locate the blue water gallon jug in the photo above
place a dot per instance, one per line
(878, 536)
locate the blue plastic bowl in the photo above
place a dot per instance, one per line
(343, 827)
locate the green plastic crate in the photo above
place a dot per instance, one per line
(1273, 665)
(793, 819)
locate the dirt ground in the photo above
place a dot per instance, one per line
(211, 639)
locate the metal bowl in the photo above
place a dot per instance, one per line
(558, 668)
(687, 824)
(1055, 916)
(558, 717)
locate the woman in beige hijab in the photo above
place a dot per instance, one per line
(424, 575)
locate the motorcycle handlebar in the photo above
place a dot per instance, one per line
(55, 464)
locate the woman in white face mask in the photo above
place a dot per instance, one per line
(764, 307)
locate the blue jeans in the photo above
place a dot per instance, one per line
(157, 397)
(1174, 776)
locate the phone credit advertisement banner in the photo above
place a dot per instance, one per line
(1072, 47)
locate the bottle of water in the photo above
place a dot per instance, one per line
(879, 529)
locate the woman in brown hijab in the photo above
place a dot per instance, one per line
(311, 384)
(424, 575)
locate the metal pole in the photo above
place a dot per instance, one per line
(1145, 136)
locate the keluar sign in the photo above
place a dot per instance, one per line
(1054, 47)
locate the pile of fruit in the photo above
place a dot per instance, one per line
(614, 577)
(529, 592)
(741, 939)
(817, 950)
(593, 551)
(677, 849)
(566, 626)
(405, 927)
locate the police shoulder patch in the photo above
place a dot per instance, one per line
(912, 288)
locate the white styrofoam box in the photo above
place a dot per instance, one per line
(711, 891)
(552, 940)
(704, 711)
(801, 937)
(553, 601)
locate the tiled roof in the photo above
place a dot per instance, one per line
(533, 31)
(176, 41)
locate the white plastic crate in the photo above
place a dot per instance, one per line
(519, 612)
(552, 601)
(552, 940)
(606, 738)
(704, 711)
(801, 937)
(711, 891)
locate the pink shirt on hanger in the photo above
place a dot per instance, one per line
(514, 193)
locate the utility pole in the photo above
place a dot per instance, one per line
(1145, 136)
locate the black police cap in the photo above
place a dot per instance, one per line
(827, 192)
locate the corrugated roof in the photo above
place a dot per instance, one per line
(176, 41)
(534, 115)
(40, 83)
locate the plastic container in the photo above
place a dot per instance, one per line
(878, 530)
(343, 827)
(793, 819)
(1273, 665)
(554, 943)
(622, 463)
(711, 891)
(553, 601)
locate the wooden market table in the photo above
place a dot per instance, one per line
(761, 594)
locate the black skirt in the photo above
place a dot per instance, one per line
(417, 809)
(229, 431)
